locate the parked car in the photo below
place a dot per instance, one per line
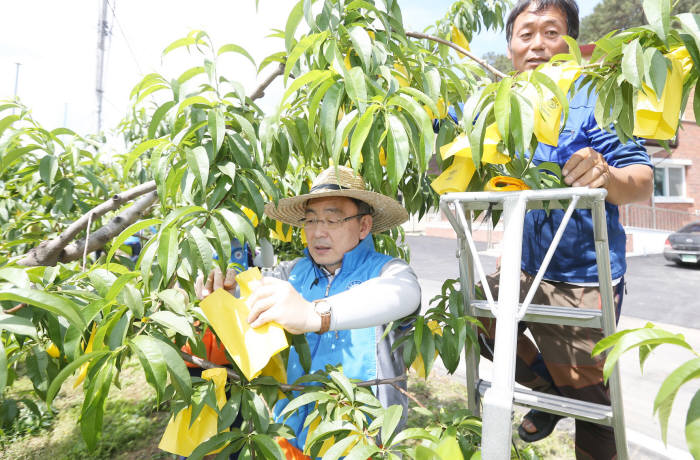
(683, 246)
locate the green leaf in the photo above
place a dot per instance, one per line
(16, 276)
(633, 63)
(669, 388)
(17, 325)
(427, 135)
(231, 48)
(392, 417)
(172, 321)
(217, 130)
(46, 301)
(304, 399)
(692, 426)
(362, 44)
(573, 48)
(343, 384)
(137, 152)
(304, 44)
(449, 449)
(133, 300)
(268, 447)
(239, 226)
(168, 251)
(397, 149)
(431, 83)
(696, 101)
(198, 242)
(68, 370)
(198, 162)
(501, 107)
(48, 167)
(360, 135)
(657, 70)
(658, 13)
(315, 76)
(3, 367)
(356, 87)
(341, 133)
(127, 232)
(174, 299)
(11, 156)
(329, 113)
(362, 452)
(158, 117)
(691, 24)
(339, 448)
(292, 23)
(179, 375)
(152, 362)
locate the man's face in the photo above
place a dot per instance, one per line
(330, 238)
(537, 37)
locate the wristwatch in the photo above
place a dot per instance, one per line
(323, 309)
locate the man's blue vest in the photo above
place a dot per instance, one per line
(354, 349)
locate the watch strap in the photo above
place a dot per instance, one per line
(325, 319)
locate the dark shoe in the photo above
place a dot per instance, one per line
(543, 421)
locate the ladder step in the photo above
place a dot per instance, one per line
(568, 407)
(550, 314)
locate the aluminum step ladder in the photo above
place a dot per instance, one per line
(500, 395)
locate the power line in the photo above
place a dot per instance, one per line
(121, 30)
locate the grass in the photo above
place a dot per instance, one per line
(133, 425)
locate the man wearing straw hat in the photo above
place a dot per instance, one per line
(342, 292)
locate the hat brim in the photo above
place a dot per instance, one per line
(387, 212)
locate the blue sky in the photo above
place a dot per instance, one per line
(57, 48)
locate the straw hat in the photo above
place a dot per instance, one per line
(340, 181)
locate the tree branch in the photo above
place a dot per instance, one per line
(204, 364)
(458, 48)
(49, 253)
(260, 92)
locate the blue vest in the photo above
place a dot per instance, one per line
(354, 349)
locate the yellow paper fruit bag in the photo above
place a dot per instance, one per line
(657, 118)
(547, 107)
(505, 184)
(459, 39)
(181, 437)
(250, 348)
(278, 232)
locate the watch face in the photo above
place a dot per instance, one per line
(322, 307)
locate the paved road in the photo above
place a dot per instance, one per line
(658, 291)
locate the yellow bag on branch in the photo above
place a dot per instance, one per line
(456, 178)
(547, 107)
(182, 439)
(250, 348)
(459, 39)
(418, 365)
(505, 184)
(278, 232)
(277, 370)
(657, 118)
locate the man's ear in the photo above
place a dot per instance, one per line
(365, 226)
(509, 55)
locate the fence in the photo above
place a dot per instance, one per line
(635, 215)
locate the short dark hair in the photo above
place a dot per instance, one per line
(362, 207)
(568, 7)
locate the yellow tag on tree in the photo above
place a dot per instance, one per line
(181, 437)
(250, 348)
(657, 118)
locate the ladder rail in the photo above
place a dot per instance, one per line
(495, 441)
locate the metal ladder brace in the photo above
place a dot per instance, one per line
(499, 396)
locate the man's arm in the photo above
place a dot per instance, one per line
(626, 184)
(394, 294)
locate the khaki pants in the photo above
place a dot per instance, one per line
(563, 364)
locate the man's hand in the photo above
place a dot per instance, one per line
(276, 300)
(215, 280)
(587, 168)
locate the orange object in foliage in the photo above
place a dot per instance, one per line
(291, 452)
(505, 184)
(216, 353)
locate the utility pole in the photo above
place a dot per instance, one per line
(102, 35)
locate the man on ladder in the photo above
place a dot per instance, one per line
(589, 157)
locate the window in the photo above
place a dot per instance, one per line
(669, 181)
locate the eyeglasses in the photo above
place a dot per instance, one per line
(330, 224)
